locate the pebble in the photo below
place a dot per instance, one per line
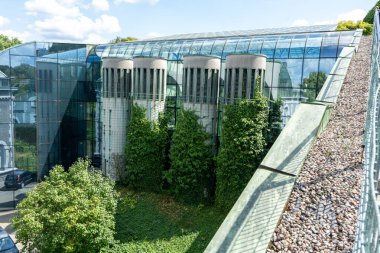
(325, 199)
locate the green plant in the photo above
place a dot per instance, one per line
(69, 212)
(351, 25)
(371, 13)
(145, 151)
(312, 85)
(6, 42)
(242, 147)
(190, 156)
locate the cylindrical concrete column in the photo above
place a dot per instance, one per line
(150, 79)
(117, 86)
(242, 71)
(201, 79)
(200, 88)
(117, 77)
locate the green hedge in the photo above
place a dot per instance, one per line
(242, 147)
(190, 156)
(145, 152)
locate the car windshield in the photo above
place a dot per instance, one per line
(6, 243)
(10, 177)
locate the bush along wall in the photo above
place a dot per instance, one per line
(145, 151)
(242, 147)
(351, 25)
(190, 156)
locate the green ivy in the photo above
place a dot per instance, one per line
(242, 147)
(145, 151)
(190, 156)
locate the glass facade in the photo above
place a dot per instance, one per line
(51, 94)
(298, 61)
(46, 113)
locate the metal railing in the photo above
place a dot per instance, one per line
(368, 229)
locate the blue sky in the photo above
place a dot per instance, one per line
(98, 21)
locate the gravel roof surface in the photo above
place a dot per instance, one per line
(322, 211)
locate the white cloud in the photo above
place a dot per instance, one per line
(63, 20)
(101, 5)
(3, 21)
(151, 2)
(80, 28)
(300, 22)
(65, 8)
(23, 36)
(354, 15)
(154, 35)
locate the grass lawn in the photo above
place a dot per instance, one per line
(150, 222)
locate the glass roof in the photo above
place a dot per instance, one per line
(294, 42)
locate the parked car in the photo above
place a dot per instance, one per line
(6, 243)
(18, 179)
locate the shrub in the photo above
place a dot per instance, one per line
(145, 151)
(370, 15)
(351, 25)
(242, 147)
(69, 212)
(190, 156)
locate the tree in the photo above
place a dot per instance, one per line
(190, 156)
(6, 42)
(313, 84)
(145, 151)
(69, 212)
(370, 15)
(120, 39)
(242, 147)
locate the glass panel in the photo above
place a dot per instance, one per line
(165, 49)
(129, 51)
(313, 46)
(255, 45)
(207, 46)
(297, 47)
(242, 46)
(28, 49)
(282, 47)
(156, 47)
(185, 48)
(122, 49)
(269, 46)
(174, 51)
(113, 50)
(138, 49)
(230, 47)
(196, 47)
(330, 44)
(147, 49)
(310, 79)
(217, 48)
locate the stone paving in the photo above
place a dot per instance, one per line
(322, 211)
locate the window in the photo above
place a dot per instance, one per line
(198, 93)
(205, 98)
(107, 82)
(125, 89)
(163, 85)
(229, 83)
(144, 84)
(158, 87)
(236, 84)
(185, 84)
(191, 84)
(151, 91)
(244, 84)
(112, 93)
(253, 83)
(118, 85)
(129, 82)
